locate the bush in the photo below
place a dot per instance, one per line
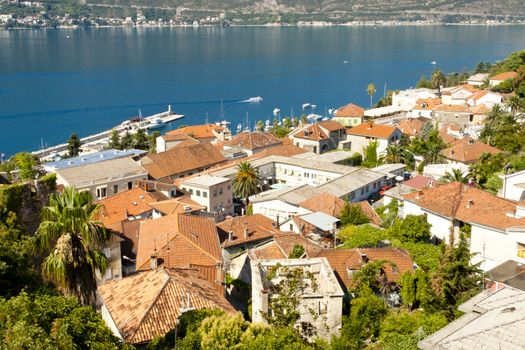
(362, 236)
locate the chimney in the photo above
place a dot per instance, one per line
(419, 194)
(153, 262)
(470, 203)
(277, 222)
(246, 233)
(230, 236)
(364, 258)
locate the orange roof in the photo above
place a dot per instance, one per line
(269, 250)
(284, 150)
(350, 111)
(249, 228)
(117, 208)
(287, 241)
(445, 136)
(204, 131)
(504, 76)
(311, 132)
(344, 261)
(177, 205)
(470, 205)
(427, 103)
(148, 304)
(452, 108)
(418, 182)
(467, 150)
(480, 109)
(369, 129)
(253, 140)
(182, 159)
(169, 235)
(411, 127)
(331, 125)
(324, 202)
(467, 87)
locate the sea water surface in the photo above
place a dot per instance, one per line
(56, 82)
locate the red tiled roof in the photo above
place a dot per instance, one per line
(311, 132)
(205, 131)
(452, 108)
(467, 204)
(177, 205)
(117, 208)
(148, 304)
(344, 261)
(467, 150)
(169, 235)
(418, 182)
(253, 140)
(182, 159)
(427, 103)
(287, 241)
(331, 125)
(259, 228)
(411, 127)
(368, 129)
(350, 110)
(504, 76)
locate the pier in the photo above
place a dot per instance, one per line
(126, 126)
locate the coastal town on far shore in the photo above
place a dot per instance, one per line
(339, 228)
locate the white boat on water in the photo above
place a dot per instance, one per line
(256, 99)
(223, 123)
(155, 124)
(276, 112)
(306, 105)
(433, 63)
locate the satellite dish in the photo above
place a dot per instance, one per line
(399, 178)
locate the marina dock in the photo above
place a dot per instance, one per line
(126, 126)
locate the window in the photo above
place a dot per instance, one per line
(229, 187)
(220, 190)
(229, 201)
(395, 269)
(101, 192)
(130, 185)
(115, 189)
(374, 185)
(191, 191)
(197, 193)
(352, 195)
(362, 190)
(291, 227)
(367, 188)
(214, 193)
(205, 194)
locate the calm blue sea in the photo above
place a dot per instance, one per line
(55, 82)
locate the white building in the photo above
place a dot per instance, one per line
(407, 98)
(477, 79)
(213, 192)
(500, 78)
(497, 225)
(361, 136)
(459, 95)
(104, 178)
(513, 186)
(485, 97)
(321, 302)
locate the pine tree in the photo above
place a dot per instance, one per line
(73, 145)
(127, 141)
(140, 140)
(114, 140)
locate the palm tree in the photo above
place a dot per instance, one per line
(246, 182)
(371, 89)
(394, 153)
(438, 80)
(72, 237)
(515, 104)
(260, 125)
(456, 176)
(433, 154)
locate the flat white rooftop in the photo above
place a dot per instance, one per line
(205, 180)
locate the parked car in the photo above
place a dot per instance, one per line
(383, 189)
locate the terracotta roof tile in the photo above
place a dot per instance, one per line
(253, 140)
(411, 127)
(350, 110)
(480, 109)
(311, 132)
(177, 205)
(287, 241)
(470, 205)
(182, 159)
(147, 304)
(343, 261)
(117, 208)
(270, 250)
(204, 131)
(369, 129)
(427, 103)
(452, 108)
(418, 182)
(324, 202)
(504, 76)
(259, 228)
(467, 150)
(167, 236)
(331, 125)
(446, 137)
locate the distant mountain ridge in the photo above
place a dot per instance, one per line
(354, 8)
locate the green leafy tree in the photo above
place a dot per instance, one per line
(414, 228)
(114, 140)
(424, 83)
(394, 153)
(493, 184)
(287, 123)
(44, 321)
(140, 140)
(437, 80)
(516, 104)
(73, 145)
(364, 236)
(246, 182)
(297, 252)
(352, 214)
(127, 141)
(222, 332)
(72, 238)
(456, 175)
(26, 164)
(370, 155)
(260, 125)
(262, 337)
(152, 141)
(371, 90)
